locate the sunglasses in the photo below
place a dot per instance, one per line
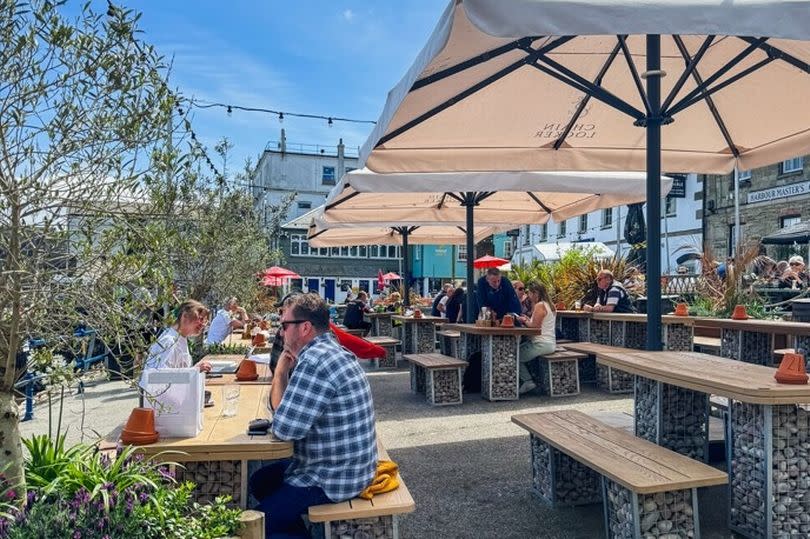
(520, 288)
(795, 264)
(285, 323)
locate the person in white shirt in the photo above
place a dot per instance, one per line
(230, 317)
(170, 351)
(542, 316)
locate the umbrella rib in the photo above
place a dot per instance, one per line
(441, 201)
(472, 62)
(454, 196)
(584, 101)
(335, 203)
(480, 197)
(538, 201)
(778, 53)
(634, 72)
(691, 64)
(530, 59)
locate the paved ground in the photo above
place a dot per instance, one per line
(466, 466)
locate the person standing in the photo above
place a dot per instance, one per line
(611, 297)
(454, 309)
(435, 309)
(324, 407)
(230, 317)
(543, 316)
(496, 293)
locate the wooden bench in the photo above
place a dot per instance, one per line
(607, 378)
(779, 353)
(377, 517)
(560, 372)
(448, 341)
(647, 490)
(359, 332)
(389, 361)
(437, 376)
(707, 345)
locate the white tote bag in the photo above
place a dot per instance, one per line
(176, 395)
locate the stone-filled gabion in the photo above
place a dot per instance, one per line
(661, 515)
(587, 370)
(599, 332)
(469, 345)
(445, 386)
(685, 421)
(560, 377)
(425, 337)
(635, 335)
(381, 527)
(213, 478)
(790, 463)
(568, 327)
(613, 380)
(499, 371)
(382, 326)
(803, 345)
(417, 378)
(389, 361)
(678, 337)
(747, 469)
(584, 333)
(406, 336)
(646, 409)
(747, 346)
(617, 333)
(561, 480)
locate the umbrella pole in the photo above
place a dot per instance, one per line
(469, 204)
(406, 274)
(653, 76)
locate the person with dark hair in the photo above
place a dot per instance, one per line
(542, 316)
(325, 408)
(436, 308)
(353, 319)
(497, 293)
(455, 306)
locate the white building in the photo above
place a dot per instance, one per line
(681, 227)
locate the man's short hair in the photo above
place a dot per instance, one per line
(796, 259)
(309, 307)
(493, 271)
(604, 273)
(230, 302)
(447, 286)
(362, 294)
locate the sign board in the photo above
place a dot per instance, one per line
(678, 186)
(514, 233)
(782, 191)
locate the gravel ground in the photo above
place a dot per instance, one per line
(466, 466)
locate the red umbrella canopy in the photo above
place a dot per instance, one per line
(380, 280)
(277, 272)
(391, 276)
(489, 262)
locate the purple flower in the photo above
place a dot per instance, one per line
(142, 497)
(11, 494)
(77, 535)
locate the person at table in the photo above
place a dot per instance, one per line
(325, 408)
(170, 351)
(611, 296)
(353, 319)
(496, 293)
(523, 297)
(455, 306)
(795, 276)
(230, 317)
(542, 316)
(438, 307)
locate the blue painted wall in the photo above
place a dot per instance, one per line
(437, 261)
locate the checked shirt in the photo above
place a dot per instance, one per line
(328, 413)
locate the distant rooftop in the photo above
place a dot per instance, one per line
(311, 149)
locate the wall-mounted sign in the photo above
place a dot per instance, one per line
(784, 191)
(514, 233)
(678, 186)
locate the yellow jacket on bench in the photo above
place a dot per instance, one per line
(385, 480)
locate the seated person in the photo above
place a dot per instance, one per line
(333, 433)
(353, 319)
(230, 317)
(612, 298)
(455, 306)
(543, 315)
(795, 276)
(523, 298)
(497, 293)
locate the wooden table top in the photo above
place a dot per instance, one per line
(642, 318)
(759, 326)
(262, 369)
(479, 330)
(709, 374)
(226, 438)
(573, 314)
(434, 319)
(379, 315)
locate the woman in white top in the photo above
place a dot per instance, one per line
(170, 351)
(542, 315)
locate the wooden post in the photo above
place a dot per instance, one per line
(253, 524)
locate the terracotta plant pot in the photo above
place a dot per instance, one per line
(247, 371)
(681, 309)
(140, 427)
(258, 339)
(791, 370)
(739, 313)
(508, 321)
(417, 313)
(560, 306)
(263, 324)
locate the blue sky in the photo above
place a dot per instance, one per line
(310, 56)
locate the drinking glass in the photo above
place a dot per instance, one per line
(230, 400)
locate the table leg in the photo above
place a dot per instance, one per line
(408, 346)
(747, 346)
(424, 337)
(499, 367)
(560, 480)
(627, 514)
(599, 331)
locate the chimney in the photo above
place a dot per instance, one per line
(341, 167)
(283, 142)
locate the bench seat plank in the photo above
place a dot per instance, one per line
(383, 340)
(453, 334)
(434, 361)
(592, 348)
(560, 354)
(636, 464)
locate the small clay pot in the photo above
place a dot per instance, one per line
(792, 370)
(258, 339)
(681, 309)
(140, 427)
(247, 371)
(560, 306)
(739, 313)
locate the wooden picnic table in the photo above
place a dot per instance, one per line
(499, 356)
(754, 341)
(768, 429)
(625, 329)
(418, 334)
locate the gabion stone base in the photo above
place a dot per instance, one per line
(390, 359)
(382, 527)
(599, 331)
(635, 335)
(382, 326)
(499, 368)
(678, 337)
(584, 333)
(748, 463)
(417, 378)
(444, 386)
(617, 333)
(803, 345)
(569, 328)
(664, 514)
(406, 336)
(469, 345)
(424, 337)
(613, 380)
(449, 345)
(646, 409)
(213, 478)
(747, 346)
(587, 370)
(560, 377)
(560, 480)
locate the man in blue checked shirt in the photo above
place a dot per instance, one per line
(325, 409)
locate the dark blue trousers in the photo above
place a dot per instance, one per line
(281, 503)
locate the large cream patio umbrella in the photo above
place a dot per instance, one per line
(468, 198)
(322, 234)
(588, 84)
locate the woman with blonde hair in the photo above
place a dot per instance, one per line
(542, 316)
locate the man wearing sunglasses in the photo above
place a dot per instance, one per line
(324, 407)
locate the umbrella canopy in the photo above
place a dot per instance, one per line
(798, 233)
(391, 276)
(488, 261)
(280, 273)
(339, 235)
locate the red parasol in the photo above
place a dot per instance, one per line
(277, 272)
(391, 276)
(489, 262)
(380, 280)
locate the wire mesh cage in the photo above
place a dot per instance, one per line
(613, 380)
(382, 527)
(560, 377)
(213, 478)
(499, 368)
(790, 481)
(587, 370)
(560, 480)
(424, 337)
(678, 337)
(635, 335)
(617, 333)
(684, 421)
(646, 407)
(382, 326)
(599, 331)
(749, 468)
(747, 346)
(663, 514)
(406, 336)
(389, 360)
(568, 328)
(417, 378)
(444, 386)
(584, 333)
(470, 344)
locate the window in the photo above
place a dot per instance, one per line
(363, 285)
(527, 235)
(323, 251)
(374, 251)
(583, 223)
(507, 248)
(328, 176)
(299, 245)
(416, 253)
(744, 175)
(461, 251)
(363, 251)
(670, 207)
(304, 205)
(344, 251)
(353, 251)
(607, 218)
(544, 232)
(562, 231)
(789, 220)
(791, 165)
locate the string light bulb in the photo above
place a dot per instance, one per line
(281, 117)
(329, 122)
(230, 111)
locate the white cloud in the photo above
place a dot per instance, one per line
(348, 15)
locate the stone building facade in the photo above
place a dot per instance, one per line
(771, 198)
